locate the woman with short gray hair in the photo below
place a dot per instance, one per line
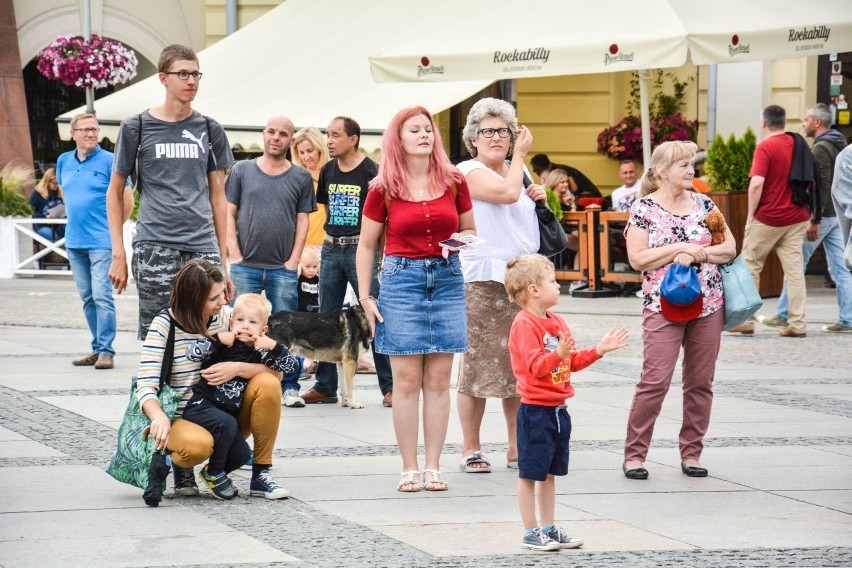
(504, 211)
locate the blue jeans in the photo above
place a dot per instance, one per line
(336, 270)
(279, 284)
(281, 288)
(90, 268)
(832, 242)
(49, 232)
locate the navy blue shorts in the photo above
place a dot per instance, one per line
(543, 436)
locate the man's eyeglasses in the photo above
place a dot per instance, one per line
(87, 130)
(185, 75)
(490, 132)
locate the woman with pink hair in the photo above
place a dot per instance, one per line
(418, 199)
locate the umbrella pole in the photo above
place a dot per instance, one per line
(87, 35)
(712, 76)
(644, 74)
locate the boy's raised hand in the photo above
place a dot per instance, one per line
(566, 344)
(614, 339)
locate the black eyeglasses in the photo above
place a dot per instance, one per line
(87, 130)
(490, 132)
(185, 75)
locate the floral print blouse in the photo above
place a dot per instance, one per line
(665, 228)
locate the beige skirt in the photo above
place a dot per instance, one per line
(486, 369)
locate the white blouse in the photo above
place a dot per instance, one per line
(507, 229)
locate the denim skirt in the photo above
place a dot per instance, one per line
(422, 303)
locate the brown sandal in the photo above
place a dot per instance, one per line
(409, 482)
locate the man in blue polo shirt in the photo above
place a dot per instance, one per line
(84, 176)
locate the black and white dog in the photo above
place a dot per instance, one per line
(335, 337)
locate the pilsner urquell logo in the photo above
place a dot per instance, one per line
(614, 57)
(426, 69)
(734, 47)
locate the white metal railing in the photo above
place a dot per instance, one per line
(33, 264)
(18, 256)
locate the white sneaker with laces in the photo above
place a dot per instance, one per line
(292, 399)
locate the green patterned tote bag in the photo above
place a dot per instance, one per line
(132, 457)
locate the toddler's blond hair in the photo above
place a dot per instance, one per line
(522, 271)
(255, 301)
(309, 253)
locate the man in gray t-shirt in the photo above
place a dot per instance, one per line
(178, 158)
(269, 201)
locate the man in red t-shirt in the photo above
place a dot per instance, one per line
(774, 222)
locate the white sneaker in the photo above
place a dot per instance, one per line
(577, 284)
(292, 399)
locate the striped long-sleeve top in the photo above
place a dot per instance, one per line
(185, 373)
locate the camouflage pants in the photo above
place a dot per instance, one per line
(154, 268)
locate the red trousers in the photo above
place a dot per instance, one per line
(662, 341)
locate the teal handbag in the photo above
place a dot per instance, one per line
(132, 457)
(742, 298)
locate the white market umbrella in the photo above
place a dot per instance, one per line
(505, 39)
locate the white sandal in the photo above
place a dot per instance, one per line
(411, 479)
(436, 480)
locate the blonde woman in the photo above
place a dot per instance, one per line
(47, 195)
(310, 152)
(558, 182)
(668, 225)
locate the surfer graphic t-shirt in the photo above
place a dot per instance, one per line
(345, 193)
(174, 159)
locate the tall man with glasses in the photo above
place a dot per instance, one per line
(342, 190)
(269, 201)
(83, 174)
(178, 158)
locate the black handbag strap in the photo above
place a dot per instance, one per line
(168, 356)
(527, 181)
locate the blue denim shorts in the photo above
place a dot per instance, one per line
(422, 303)
(543, 436)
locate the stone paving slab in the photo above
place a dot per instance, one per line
(737, 519)
(26, 448)
(426, 509)
(837, 500)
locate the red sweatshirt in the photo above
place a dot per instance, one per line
(543, 377)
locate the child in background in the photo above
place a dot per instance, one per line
(309, 280)
(215, 408)
(309, 295)
(543, 357)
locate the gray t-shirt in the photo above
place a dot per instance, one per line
(174, 159)
(266, 210)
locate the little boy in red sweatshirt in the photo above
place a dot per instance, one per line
(543, 358)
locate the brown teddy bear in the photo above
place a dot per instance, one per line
(716, 224)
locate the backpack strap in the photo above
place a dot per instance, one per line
(139, 151)
(210, 143)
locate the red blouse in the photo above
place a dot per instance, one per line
(415, 228)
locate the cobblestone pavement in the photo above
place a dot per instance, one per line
(755, 370)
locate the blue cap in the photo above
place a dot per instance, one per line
(680, 293)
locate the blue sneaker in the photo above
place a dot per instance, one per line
(539, 540)
(565, 541)
(265, 486)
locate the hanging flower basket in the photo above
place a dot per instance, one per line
(97, 63)
(623, 141)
